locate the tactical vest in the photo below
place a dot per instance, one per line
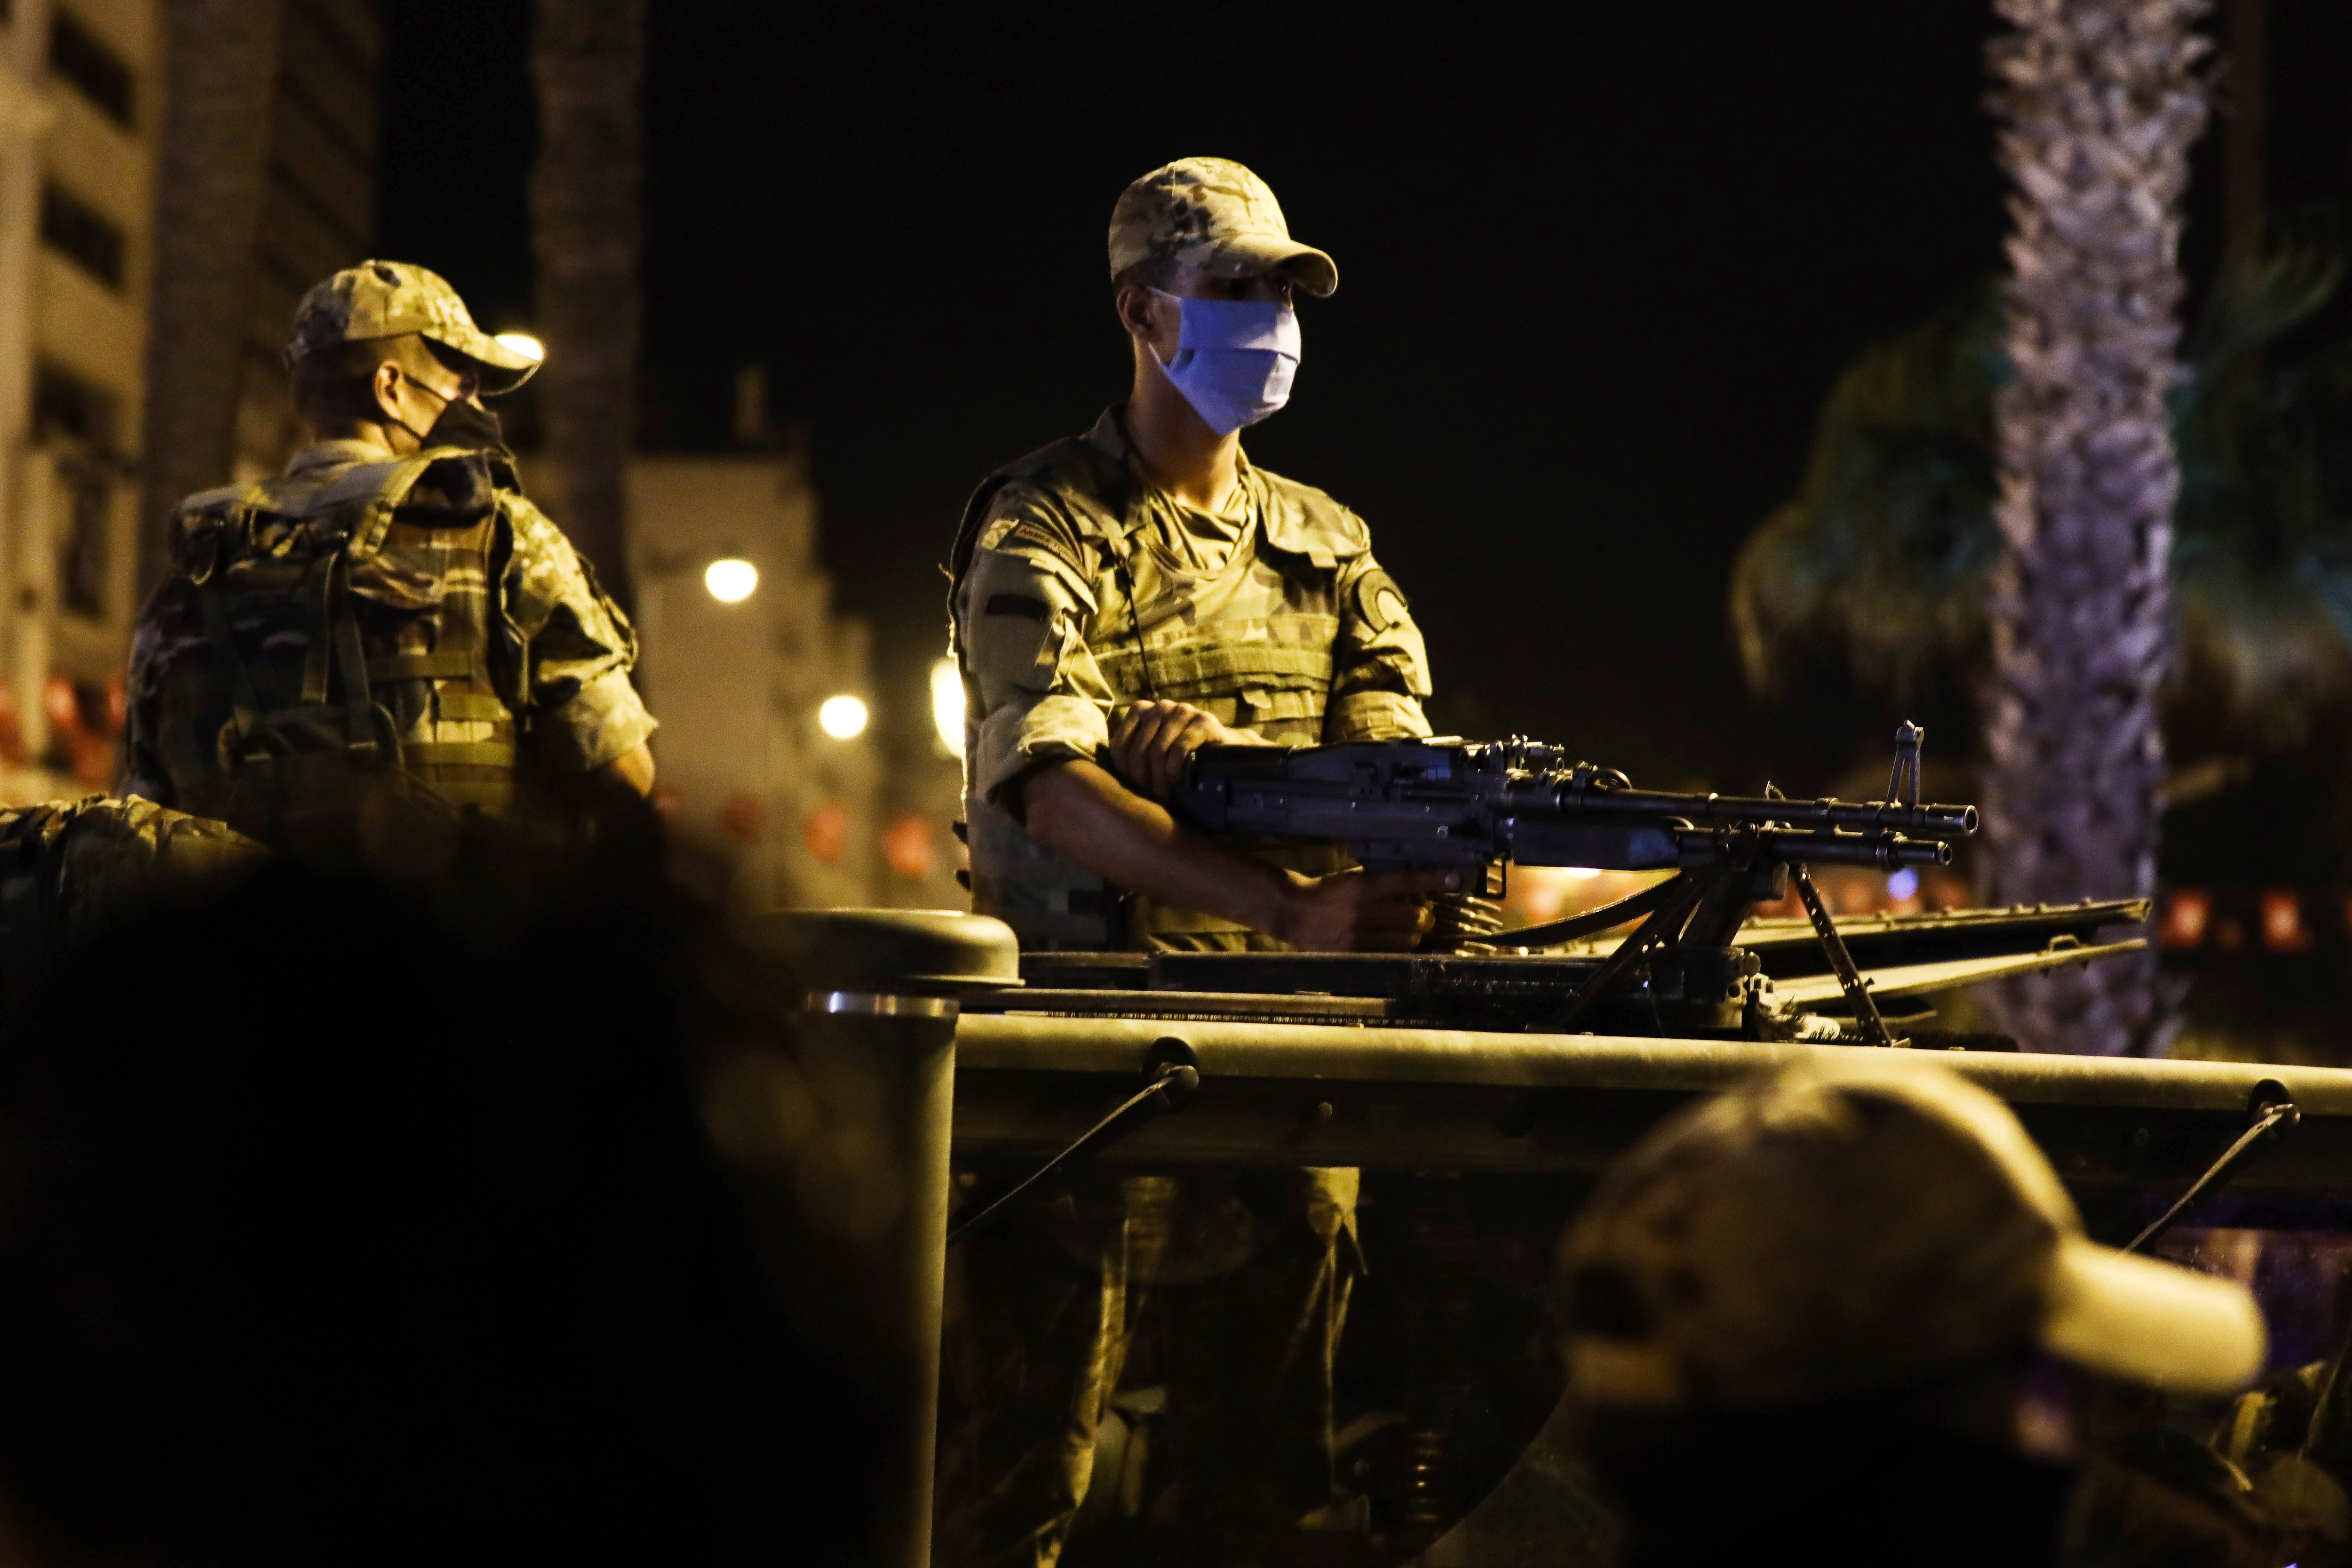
(1268, 671)
(346, 619)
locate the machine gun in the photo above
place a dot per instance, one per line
(1446, 803)
(1476, 808)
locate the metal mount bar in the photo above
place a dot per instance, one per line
(2276, 1115)
(1168, 1091)
(1664, 925)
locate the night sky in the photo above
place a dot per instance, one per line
(1598, 266)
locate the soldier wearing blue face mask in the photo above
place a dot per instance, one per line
(1120, 598)
(1234, 359)
(1124, 596)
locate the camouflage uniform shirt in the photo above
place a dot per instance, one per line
(559, 640)
(1088, 588)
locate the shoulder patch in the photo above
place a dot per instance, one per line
(1380, 602)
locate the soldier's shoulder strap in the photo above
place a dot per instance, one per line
(1307, 522)
(355, 504)
(1074, 469)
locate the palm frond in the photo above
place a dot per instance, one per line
(2263, 552)
(2254, 305)
(1884, 549)
(1881, 555)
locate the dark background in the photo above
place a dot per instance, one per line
(1598, 267)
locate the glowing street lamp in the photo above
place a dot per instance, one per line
(843, 718)
(731, 580)
(522, 343)
(947, 705)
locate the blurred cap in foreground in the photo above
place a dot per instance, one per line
(1860, 1223)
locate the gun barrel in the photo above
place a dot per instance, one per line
(1889, 853)
(1938, 822)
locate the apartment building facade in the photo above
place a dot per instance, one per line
(75, 195)
(774, 793)
(79, 113)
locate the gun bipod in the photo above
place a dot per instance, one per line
(1857, 989)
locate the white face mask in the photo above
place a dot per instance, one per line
(1234, 359)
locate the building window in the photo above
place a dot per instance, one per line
(76, 419)
(78, 231)
(85, 545)
(68, 409)
(81, 58)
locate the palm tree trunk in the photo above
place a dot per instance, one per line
(2245, 178)
(2100, 102)
(212, 176)
(587, 229)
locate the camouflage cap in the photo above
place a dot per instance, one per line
(1864, 1222)
(1212, 213)
(389, 299)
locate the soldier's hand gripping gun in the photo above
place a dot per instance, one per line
(1473, 808)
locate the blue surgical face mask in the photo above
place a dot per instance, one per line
(1234, 359)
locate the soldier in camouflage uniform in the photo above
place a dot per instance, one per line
(1120, 598)
(389, 630)
(1126, 596)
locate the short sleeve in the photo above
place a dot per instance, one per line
(1379, 666)
(1035, 692)
(582, 709)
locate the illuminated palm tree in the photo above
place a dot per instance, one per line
(2100, 103)
(1885, 553)
(1998, 485)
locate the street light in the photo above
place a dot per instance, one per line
(523, 343)
(947, 705)
(731, 579)
(843, 718)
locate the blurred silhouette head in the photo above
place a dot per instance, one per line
(1846, 1291)
(328, 1235)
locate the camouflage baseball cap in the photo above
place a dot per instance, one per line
(1212, 213)
(1864, 1222)
(388, 298)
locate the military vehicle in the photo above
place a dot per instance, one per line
(1483, 1090)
